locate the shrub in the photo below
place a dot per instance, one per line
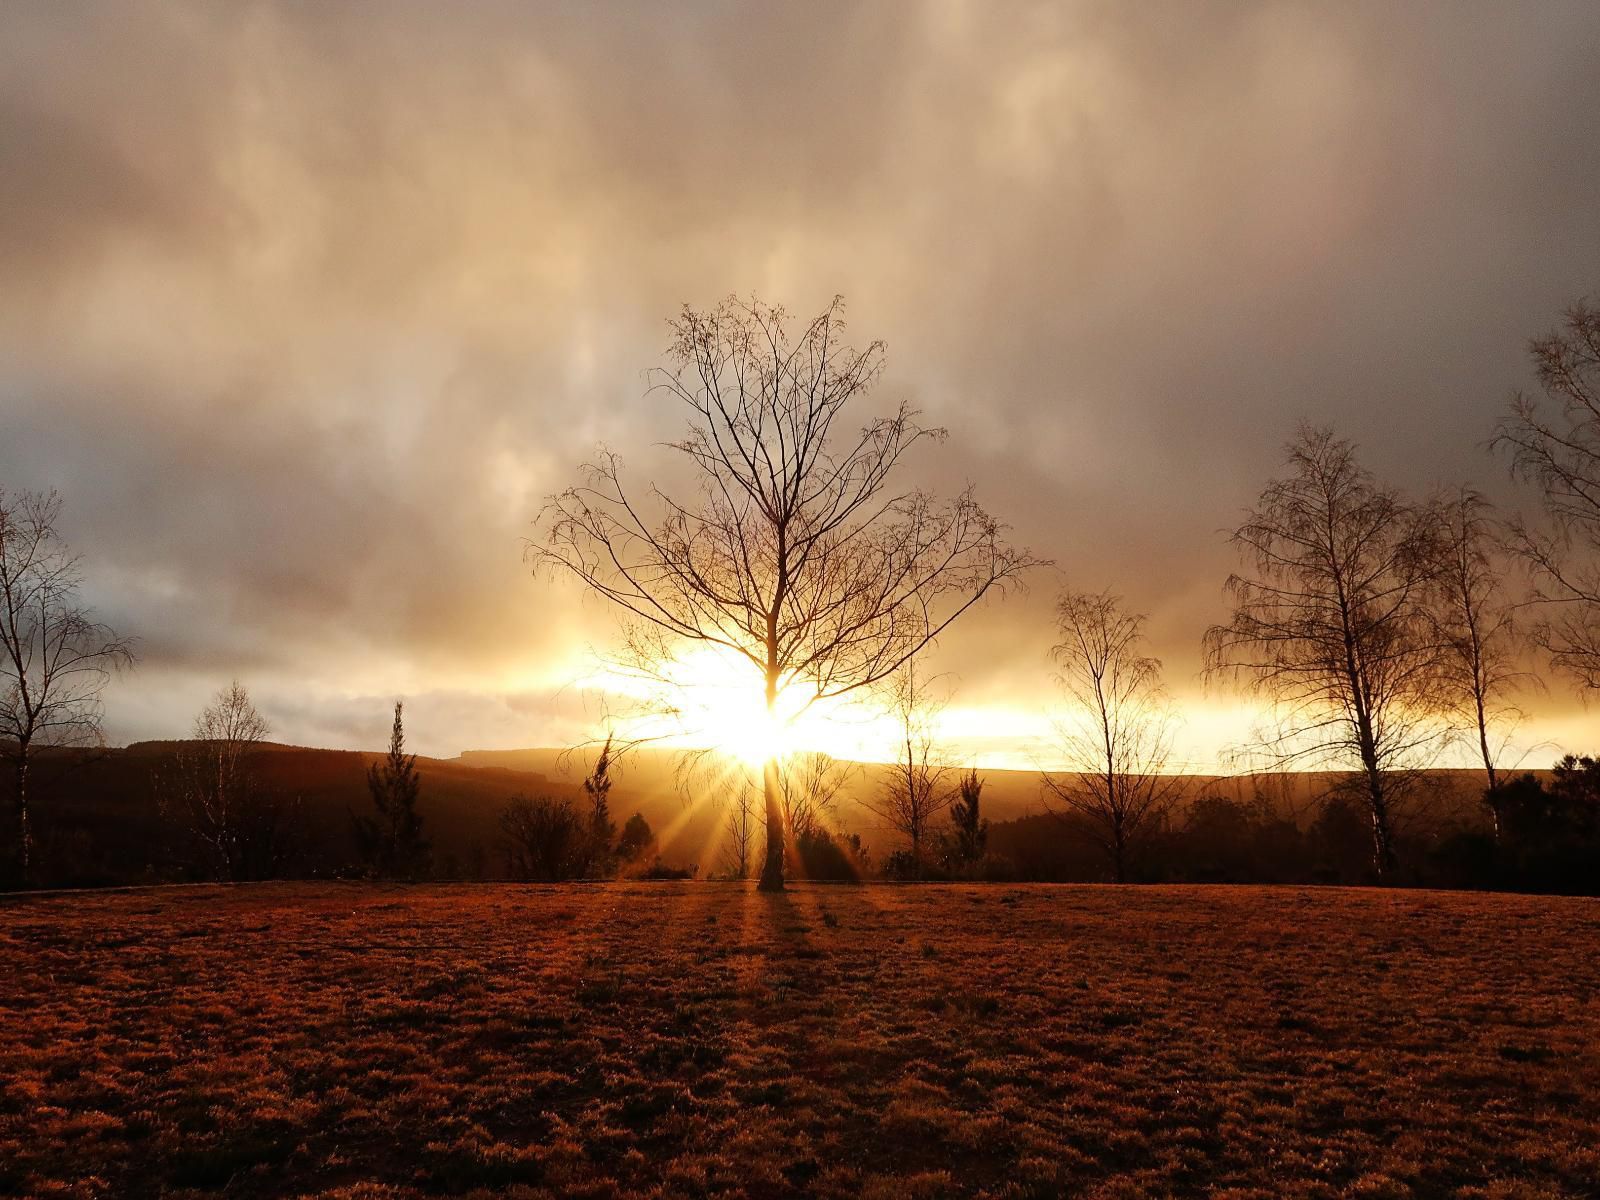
(544, 839)
(829, 856)
(637, 840)
(660, 870)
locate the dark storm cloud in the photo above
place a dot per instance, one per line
(306, 307)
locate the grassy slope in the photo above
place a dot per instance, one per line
(687, 1040)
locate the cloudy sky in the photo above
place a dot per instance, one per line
(305, 308)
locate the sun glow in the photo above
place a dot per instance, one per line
(713, 698)
(722, 704)
(753, 738)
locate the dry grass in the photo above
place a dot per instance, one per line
(688, 1040)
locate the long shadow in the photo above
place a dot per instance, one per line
(791, 928)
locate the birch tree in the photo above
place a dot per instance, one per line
(1555, 445)
(55, 658)
(216, 790)
(1330, 624)
(1479, 643)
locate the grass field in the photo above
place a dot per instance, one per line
(702, 1039)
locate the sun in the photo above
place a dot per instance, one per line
(723, 706)
(710, 697)
(752, 737)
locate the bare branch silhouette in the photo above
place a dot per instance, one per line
(1476, 632)
(794, 554)
(919, 783)
(216, 791)
(1560, 454)
(1116, 738)
(1331, 625)
(55, 658)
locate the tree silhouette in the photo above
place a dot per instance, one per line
(1480, 647)
(391, 842)
(637, 839)
(812, 782)
(1560, 453)
(1331, 624)
(543, 839)
(916, 784)
(738, 847)
(601, 831)
(969, 829)
(1115, 739)
(55, 659)
(793, 552)
(217, 791)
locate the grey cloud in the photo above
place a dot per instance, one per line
(306, 307)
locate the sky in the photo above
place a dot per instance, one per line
(304, 309)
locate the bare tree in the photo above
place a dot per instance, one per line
(813, 783)
(1480, 650)
(795, 553)
(544, 839)
(55, 658)
(1115, 739)
(1331, 625)
(916, 786)
(217, 792)
(738, 847)
(1560, 453)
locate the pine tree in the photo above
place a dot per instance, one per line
(602, 832)
(391, 843)
(637, 838)
(971, 829)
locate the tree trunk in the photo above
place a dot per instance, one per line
(1120, 856)
(1488, 766)
(1382, 839)
(1377, 802)
(772, 866)
(24, 828)
(1483, 743)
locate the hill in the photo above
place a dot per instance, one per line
(99, 817)
(650, 779)
(100, 811)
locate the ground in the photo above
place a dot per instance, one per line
(355, 1041)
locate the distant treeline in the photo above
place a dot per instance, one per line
(106, 826)
(1549, 842)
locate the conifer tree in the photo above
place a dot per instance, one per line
(391, 842)
(968, 825)
(602, 831)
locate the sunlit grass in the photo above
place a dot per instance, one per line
(674, 1040)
